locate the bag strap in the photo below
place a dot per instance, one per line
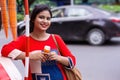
(55, 42)
(69, 73)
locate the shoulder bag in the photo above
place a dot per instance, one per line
(72, 74)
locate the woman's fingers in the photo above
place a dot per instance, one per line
(53, 56)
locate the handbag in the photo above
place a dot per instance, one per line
(72, 74)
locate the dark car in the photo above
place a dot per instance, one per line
(83, 23)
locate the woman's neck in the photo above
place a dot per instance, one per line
(40, 35)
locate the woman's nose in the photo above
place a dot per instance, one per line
(45, 20)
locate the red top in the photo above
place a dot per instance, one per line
(38, 45)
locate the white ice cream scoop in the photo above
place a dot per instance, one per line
(47, 49)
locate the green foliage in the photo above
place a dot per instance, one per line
(111, 8)
(20, 9)
(20, 17)
(77, 2)
(48, 2)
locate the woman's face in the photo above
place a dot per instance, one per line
(42, 20)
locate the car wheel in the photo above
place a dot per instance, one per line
(96, 37)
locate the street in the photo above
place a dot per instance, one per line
(94, 62)
(98, 63)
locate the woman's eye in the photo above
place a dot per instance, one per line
(48, 18)
(41, 17)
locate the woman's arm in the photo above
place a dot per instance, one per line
(61, 59)
(67, 58)
(14, 48)
(34, 55)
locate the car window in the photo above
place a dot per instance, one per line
(72, 12)
(58, 13)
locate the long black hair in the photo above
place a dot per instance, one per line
(37, 9)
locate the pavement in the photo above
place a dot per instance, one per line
(3, 39)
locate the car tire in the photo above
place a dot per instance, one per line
(96, 37)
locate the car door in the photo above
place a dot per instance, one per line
(77, 22)
(71, 25)
(57, 26)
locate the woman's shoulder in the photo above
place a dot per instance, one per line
(56, 36)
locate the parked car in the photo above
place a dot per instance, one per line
(82, 23)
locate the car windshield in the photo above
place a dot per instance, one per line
(58, 13)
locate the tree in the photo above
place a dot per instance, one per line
(117, 1)
(20, 4)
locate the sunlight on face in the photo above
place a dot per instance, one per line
(42, 20)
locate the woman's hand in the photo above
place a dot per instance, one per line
(53, 56)
(38, 55)
(61, 59)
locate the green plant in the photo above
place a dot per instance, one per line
(20, 17)
(111, 8)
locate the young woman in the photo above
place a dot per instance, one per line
(50, 63)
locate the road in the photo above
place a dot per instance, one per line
(98, 63)
(94, 62)
(3, 39)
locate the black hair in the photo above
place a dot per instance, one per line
(37, 9)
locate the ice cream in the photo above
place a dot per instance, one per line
(46, 49)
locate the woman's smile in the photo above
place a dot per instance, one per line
(42, 21)
(44, 25)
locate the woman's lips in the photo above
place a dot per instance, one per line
(43, 25)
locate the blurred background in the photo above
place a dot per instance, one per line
(95, 62)
(109, 5)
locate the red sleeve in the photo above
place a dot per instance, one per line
(64, 49)
(18, 44)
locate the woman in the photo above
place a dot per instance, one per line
(50, 63)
